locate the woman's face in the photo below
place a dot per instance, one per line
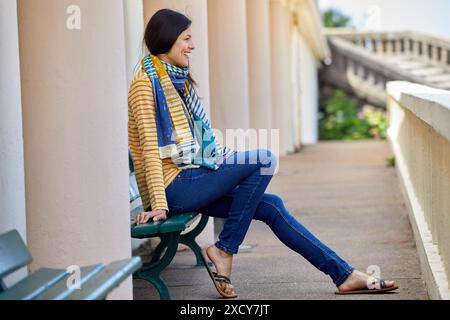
(181, 49)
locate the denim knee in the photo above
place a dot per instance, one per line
(274, 199)
(272, 206)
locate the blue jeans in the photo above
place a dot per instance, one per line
(236, 191)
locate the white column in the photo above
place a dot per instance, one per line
(259, 63)
(134, 46)
(295, 86)
(195, 10)
(294, 10)
(134, 33)
(281, 99)
(75, 118)
(12, 184)
(227, 25)
(309, 94)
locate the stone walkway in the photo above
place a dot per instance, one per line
(344, 193)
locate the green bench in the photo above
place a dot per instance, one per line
(171, 234)
(96, 281)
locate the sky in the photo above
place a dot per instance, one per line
(430, 16)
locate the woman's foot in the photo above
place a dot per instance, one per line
(223, 262)
(358, 280)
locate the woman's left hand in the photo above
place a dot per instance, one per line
(157, 215)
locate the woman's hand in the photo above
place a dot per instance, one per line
(157, 215)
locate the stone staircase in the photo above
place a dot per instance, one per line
(362, 62)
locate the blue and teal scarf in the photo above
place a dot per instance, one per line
(191, 142)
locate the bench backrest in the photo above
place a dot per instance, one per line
(133, 188)
(13, 254)
(130, 162)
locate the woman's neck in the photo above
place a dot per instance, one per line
(165, 58)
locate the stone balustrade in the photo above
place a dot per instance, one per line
(431, 49)
(419, 133)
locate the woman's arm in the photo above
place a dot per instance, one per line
(143, 142)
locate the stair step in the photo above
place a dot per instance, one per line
(445, 77)
(430, 71)
(397, 59)
(411, 65)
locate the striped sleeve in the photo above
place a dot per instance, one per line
(143, 142)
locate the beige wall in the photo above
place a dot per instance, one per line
(12, 184)
(75, 119)
(420, 136)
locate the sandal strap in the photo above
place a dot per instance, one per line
(220, 278)
(378, 284)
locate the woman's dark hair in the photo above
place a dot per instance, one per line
(163, 30)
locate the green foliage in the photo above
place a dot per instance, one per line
(333, 18)
(390, 162)
(342, 121)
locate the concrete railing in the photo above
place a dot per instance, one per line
(420, 136)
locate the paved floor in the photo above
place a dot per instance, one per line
(346, 195)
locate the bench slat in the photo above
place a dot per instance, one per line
(173, 224)
(60, 290)
(103, 282)
(146, 230)
(178, 222)
(34, 284)
(13, 253)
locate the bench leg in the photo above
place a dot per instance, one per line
(160, 285)
(151, 271)
(188, 239)
(160, 249)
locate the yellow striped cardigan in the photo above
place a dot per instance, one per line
(153, 174)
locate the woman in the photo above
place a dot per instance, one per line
(180, 168)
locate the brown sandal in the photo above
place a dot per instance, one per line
(216, 278)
